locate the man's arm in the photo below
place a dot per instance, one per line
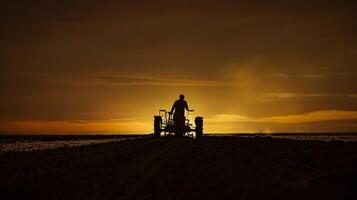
(173, 107)
(186, 106)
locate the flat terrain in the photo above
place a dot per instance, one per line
(184, 168)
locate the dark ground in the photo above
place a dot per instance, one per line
(184, 168)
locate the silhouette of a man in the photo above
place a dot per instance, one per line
(179, 115)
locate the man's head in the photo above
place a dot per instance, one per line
(182, 97)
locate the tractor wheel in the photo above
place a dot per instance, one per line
(199, 127)
(157, 125)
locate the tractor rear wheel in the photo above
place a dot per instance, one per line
(157, 125)
(199, 127)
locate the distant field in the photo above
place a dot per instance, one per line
(20, 143)
(42, 142)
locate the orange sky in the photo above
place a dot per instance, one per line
(109, 66)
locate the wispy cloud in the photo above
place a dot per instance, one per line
(313, 75)
(79, 126)
(273, 96)
(281, 75)
(307, 76)
(325, 115)
(125, 79)
(229, 118)
(101, 121)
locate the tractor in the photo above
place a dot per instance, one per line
(165, 125)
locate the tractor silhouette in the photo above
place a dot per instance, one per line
(164, 125)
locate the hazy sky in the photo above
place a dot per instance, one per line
(108, 67)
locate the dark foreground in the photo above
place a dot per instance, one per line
(183, 168)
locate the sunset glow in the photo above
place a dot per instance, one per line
(103, 68)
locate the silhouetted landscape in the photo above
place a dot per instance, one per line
(213, 167)
(178, 100)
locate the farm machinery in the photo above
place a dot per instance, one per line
(165, 124)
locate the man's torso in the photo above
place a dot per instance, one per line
(180, 108)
